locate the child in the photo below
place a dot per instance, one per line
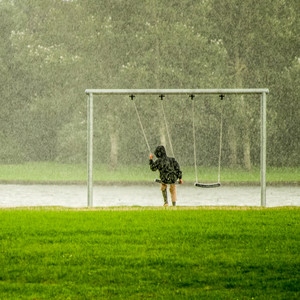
(169, 172)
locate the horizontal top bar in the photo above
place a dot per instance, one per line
(173, 91)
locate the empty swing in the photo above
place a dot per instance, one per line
(218, 183)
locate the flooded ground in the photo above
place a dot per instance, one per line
(139, 195)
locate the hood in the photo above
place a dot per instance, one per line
(160, 151)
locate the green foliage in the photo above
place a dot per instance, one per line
(284, 133)
(53, 50)
(162, 254)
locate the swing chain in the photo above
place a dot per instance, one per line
(220, 146)
(141, 124)
(220, 141)
(194, 138)
(166, 125)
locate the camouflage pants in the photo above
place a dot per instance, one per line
(163, 188)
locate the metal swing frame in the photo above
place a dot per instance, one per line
(263, 118)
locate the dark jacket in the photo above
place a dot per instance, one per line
(169, 169)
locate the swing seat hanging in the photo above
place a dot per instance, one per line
(207, 185)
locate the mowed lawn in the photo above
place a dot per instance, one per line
(50, 172)
(140, 253)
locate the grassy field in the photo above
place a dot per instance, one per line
(232, 253)
(54, 172)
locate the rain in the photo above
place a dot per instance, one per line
(52, 51)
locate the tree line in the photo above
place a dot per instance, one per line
(52, 50)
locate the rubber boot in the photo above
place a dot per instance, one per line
(174, 203)
(165, 196)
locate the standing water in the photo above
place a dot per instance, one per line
(139, 195)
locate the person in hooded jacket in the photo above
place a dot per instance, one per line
(169, 172)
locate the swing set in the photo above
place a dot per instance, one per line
(192, 94)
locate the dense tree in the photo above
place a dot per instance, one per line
(52, 50)
(259, 38)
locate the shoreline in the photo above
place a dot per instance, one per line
(145, 208)
(131, 183)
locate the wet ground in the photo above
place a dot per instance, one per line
(139, 195)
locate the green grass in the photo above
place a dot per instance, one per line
(54, 172)
(142, 253)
